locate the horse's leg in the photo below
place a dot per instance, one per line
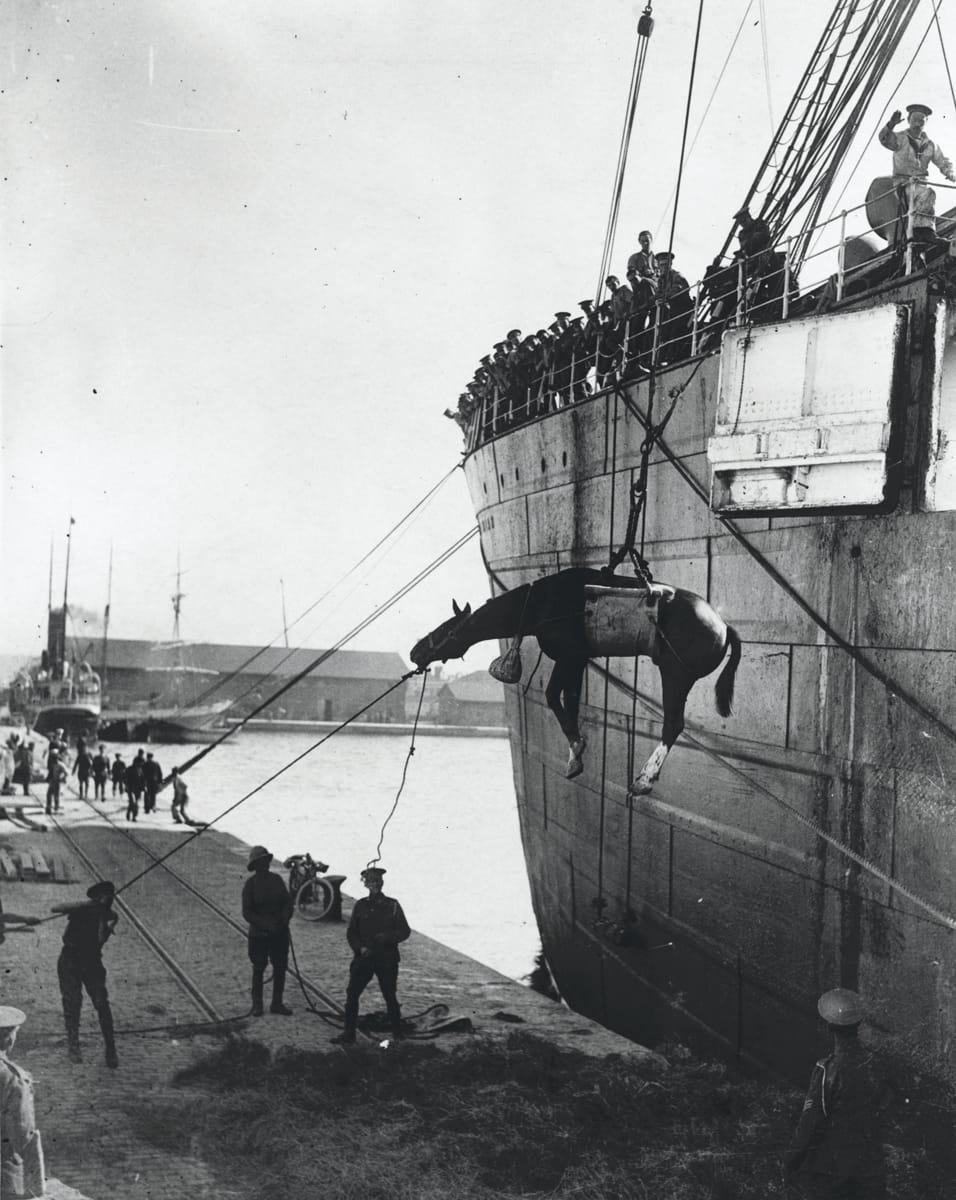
(675, 686)
(563, 695)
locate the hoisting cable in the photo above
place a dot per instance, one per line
(707, 106)
(324, 655)
(870, 867)
(942, 46)
(203, 696)
(408, 759)
(645, 27)
(761, 559)
(683, 140)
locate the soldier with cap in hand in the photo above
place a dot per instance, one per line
(837, 1146)
(89, 925)
(267, 907)
(376, 927)
(21, 1156)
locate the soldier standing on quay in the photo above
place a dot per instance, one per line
(101, 772)
(837, 1146)
(89, 924)
(152, 782)
(21, 1158)
(267, 906)
(118, 774)
(376, 927)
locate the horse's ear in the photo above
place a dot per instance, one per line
(467, 612)
(455, 609)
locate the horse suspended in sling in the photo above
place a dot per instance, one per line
(687, 641)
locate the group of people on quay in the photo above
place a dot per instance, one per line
(652, 318)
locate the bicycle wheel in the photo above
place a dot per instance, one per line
(314, 899)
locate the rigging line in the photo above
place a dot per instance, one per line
(326, 654)
(707, 107)
(870, 867)
(401, 786)
(683, 141)
(766, 65)
(191, 837)
(842, 847)
(252, 658)
(621, 155)
(362, 625)
(879, 126)
(942, 46)
(762, 561)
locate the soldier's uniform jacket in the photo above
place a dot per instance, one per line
(912, 155)
(88, 927)
(18, 1133)
(839, 1132)
(379, 924)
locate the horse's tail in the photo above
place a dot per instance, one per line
(724, 687)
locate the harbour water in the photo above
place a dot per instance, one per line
(452, 849)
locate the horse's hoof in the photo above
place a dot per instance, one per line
(575, 767)
(640, 787)
(577, 748)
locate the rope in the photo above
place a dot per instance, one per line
(766, 66)
(271, 779)
(408, 759)
(707, 106)
(203, 696)
(683, 140)
(644, 28)
(327, 654)
(942, 46)
(871, 868)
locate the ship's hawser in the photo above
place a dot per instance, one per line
(805, 485)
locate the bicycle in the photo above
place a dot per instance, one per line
(312, 895)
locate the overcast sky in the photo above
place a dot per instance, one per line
(251, 252)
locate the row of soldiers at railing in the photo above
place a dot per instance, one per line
(650, 321)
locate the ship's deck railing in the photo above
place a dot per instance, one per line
(732, 294)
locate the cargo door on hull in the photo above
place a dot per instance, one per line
(805, 412)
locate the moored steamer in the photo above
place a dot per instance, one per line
(804, 488)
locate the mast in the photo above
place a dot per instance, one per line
(285, 623)
(49, 593)
(106, 618)
(66, 573)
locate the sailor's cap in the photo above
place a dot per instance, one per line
(841, 1007)
(10, 1017)
(565, 315)
(373, 873)
(920, 108)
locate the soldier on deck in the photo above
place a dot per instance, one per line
(913, 151)
(267, 907)
(837, 1146)
(375, 929)
(89, 925)
(642, 265)
(21, 1157)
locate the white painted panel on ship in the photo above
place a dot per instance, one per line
(939, 490)
(804, 410)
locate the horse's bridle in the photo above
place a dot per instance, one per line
(433, 646)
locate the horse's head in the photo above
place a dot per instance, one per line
(445, 640)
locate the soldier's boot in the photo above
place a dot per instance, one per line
(257, 998)
(278, 987)
(109, 1039)
(73, 1041)
(346, 1037)
(395, 1020)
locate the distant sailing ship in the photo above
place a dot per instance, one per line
(176, 711)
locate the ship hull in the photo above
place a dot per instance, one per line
(712, 910)
(75, 720)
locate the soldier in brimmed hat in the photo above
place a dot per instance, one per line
(89, 925)
(838, 1145)
(913, 151)
(21, 1170)
(376, 927)
(267, 906)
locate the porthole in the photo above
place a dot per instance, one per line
(564, 458)
(517, 476)
(544, 466)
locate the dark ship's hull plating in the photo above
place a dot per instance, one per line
(708, 909)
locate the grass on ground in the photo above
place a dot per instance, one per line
(487, 1119)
